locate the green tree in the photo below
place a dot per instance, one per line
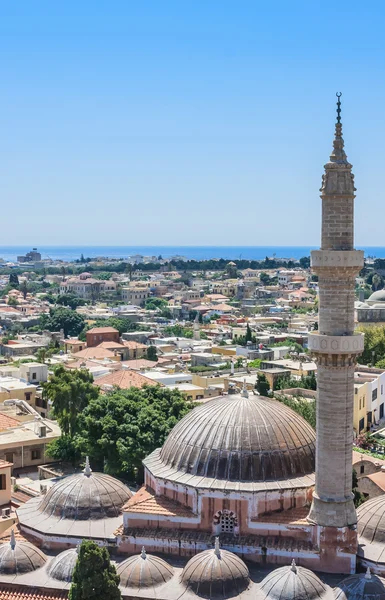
(262, 386)
(13, 279)
(70, 300)
(249, 335)
(154, 303)
(264, 278)
(62, 318)
(41, 355)
(377, 282)
(305, 262)
(65, 449)
(359, 498)
(374, 344)
(70, 393)
(12, 301)
(151, 353)
(122, 427)
(24, 288)
(94, 576)
(306, 409)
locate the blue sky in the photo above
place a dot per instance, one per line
(186, 122)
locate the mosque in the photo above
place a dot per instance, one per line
(244, 500)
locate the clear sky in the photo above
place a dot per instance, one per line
(186, 122)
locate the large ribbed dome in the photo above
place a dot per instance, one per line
(216, 574)
(371, 529)
(18, 557)
(144, 571)
(293, 583)
(363, 586)
(241, 438)
(85, 496)
(63, 565)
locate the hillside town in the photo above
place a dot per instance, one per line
(192, 301)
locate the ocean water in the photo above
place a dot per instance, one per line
(70, 253)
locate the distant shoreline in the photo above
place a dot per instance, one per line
(71, 253)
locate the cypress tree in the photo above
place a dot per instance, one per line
(94, 576)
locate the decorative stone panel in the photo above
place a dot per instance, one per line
(336, 344)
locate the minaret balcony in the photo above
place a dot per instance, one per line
(336, 344)
(337, 258)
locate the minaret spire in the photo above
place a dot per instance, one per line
(335, 347)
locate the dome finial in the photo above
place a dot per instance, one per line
(217, 551)
(245, 393)
(368, 574)
(87, 469)
(12, 541)
(143, 552)
(293, 566)
(339, 94)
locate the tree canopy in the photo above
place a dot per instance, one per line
(63, 318)
(70, 393)
(70, 300)
(94, 576)
(374, 344)
(122, 427)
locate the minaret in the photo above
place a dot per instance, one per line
(336, 346)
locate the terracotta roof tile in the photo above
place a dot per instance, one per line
(95, 352)
(6, 422)
(124, 379)
(379, 479)
(146, 502)
(21, 592)
(134, 345)
(110, 345)
(293, 516)
(103, 330)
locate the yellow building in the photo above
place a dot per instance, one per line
(224, 350)
(360, 420)
(12, 388)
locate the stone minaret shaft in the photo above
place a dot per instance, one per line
(335, 346)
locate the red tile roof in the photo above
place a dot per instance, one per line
(293, 515)
(6, 422)
(21, 592)
(378, 479)
(124, 379)
(103, 330)
(134, 345)
(95, 352)
(146, 502)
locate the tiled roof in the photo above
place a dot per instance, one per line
(5, 463)
(20, 497)
(21, 592)
(110, 345)
(103, 330)
(359, 456)
(96, 352)
(139, 363)
(5, 423)
(124, 379)
(146, 502)
(378, 479)
(134, 345)
(293, 516)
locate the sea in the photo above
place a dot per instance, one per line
(71, 253)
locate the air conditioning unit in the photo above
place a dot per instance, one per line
(6, 512)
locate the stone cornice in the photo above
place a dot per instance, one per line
(336, 344)
(338, 258)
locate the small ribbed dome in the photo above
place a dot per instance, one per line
(18, 557)
(241, 438)
(294, 583)
(371, 529)
(378, 296)
(364, 586)
(143, 571)
(63, 565)
(216, 574)
(85, 496)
